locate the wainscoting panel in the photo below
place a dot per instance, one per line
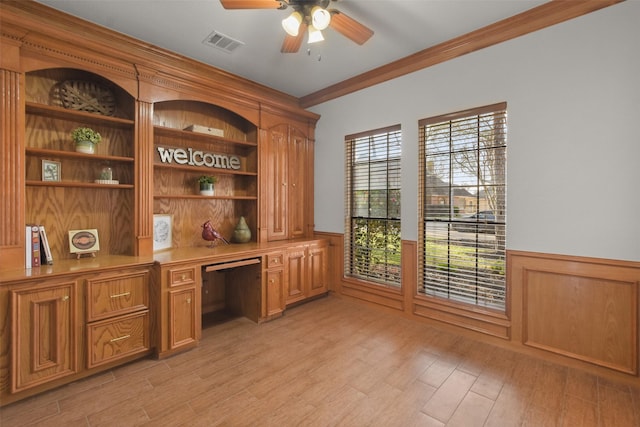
(586, 309)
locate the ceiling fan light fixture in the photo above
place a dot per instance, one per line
(315, 35)
(320, 18)
(291, 24)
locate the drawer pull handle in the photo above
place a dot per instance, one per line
(124, 294)
(124, 337)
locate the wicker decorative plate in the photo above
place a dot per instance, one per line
(87, 96)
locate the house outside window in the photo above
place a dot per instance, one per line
(462, 241)
(372, 223)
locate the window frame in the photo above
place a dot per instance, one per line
(498, 225)
(389, 277)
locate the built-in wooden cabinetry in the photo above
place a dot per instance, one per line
(117, 309)
(44, 340)
(274, 288)
(231, 157)
(179, 311)
(76, 200)
(70, 320)
(289, 181)
(306, 276)
(81, 316)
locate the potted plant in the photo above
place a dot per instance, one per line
(206, 184)
(85, 139)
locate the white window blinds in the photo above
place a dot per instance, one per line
(463, 206)
(372, 225)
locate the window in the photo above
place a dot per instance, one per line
(463, 206)
(372, 243)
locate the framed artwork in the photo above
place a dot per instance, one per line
(161, 232)
(51, 170)
(84, 241)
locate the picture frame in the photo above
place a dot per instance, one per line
(51, 170)
(84, 241)
(162, 226)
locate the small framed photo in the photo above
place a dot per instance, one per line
(51, 170)
(84, 241)
(161, 232)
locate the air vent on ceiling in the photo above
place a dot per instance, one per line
(222, 42)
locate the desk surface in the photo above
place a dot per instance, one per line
(199, 255)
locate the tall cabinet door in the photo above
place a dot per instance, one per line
(297, 172)
(44, 341)
(277, 190)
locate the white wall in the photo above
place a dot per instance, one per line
(573, 103)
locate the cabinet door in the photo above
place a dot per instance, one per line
(184, 317)
(317, 261)
(296, 274)
(274, 299)
(297, 173)
(277, 186)
(44, 341)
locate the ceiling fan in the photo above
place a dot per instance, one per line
(308, 16)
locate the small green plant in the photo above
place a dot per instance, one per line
(85, 134)
(207, 179)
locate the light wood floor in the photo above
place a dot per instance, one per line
(334, 362)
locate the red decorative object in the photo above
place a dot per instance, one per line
(211, 234)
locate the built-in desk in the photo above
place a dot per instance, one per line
(255, 280)
(105, 311)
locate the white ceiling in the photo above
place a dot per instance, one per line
(402, 27)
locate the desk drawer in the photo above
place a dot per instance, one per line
(182, 276)
(116, 295)
(275, 259)
(111, 340)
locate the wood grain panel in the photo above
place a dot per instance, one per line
(44, 325)
(579, 307)
(115, 295)
(335, 264)
(110, 340)
(144, 179)
(589, 318)
(183, 306)
(11, 172)
(110, 211)
(180, 114)
(462, 316)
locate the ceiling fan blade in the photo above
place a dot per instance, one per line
(291, 44)
(349, 27)
(251, 4)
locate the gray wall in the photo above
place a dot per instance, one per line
(573, 102)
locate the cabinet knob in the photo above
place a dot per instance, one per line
(188, 300)
(293, 185)
(65, 298)
(183, 277)
(284, 184)
(271, 281)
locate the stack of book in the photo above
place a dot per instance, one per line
(38, 251)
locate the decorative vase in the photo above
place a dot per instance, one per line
(242, 233)
(86, 147)
(206, 188)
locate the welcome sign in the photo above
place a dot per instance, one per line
(193, 157)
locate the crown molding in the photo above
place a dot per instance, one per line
(537, 18)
